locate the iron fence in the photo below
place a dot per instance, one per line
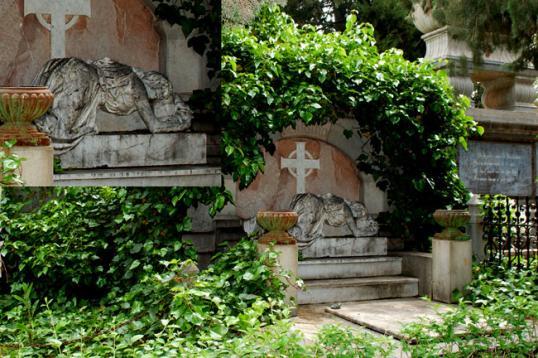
(510, 227)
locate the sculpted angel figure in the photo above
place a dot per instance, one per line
(81, 88)
(316, 213)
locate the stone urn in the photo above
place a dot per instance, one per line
(19, 107)
(451, 221)
(422, 16)
(277, 224)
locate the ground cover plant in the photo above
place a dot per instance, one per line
(497, 316)
(276, 73)
(103, 272)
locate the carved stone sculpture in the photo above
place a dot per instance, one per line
(81, 88)
(329, 216)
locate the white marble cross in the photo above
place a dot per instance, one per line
(58, 10)
(301, 164)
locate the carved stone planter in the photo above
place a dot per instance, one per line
(19, 107)
(277, 238)
(277, 224)
(451, 221)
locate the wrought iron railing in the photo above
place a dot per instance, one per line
(510, 227)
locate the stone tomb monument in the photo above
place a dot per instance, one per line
(120, 79)
(342, 257)
(503, 160)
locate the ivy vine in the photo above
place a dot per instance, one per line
(276, 74)
(10, 165)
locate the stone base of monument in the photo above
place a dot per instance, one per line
(352, 269)
(346, 247)
(37, 166)
(136, 150)
(451, 267)
(161, 159)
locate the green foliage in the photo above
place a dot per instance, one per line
(390, 18)
(9, 165)
(177, 314)
(497, 317)
(158, 315)
(490, 24)
(275, 74)
(334, 341)
(235, 12)
(88, 240)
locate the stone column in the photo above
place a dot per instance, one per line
(475, 227)
(288, 261)
(277, 224)
(451, 255)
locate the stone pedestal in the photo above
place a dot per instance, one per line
(451, 267)
(37, 166)
(288, 261)
(277, 224)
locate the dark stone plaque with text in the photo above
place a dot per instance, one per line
(497, 168)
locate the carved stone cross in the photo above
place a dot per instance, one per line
(58, 10)
(300, 164)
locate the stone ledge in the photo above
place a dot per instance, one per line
(506, 125)
(136, 150)
(358, 289)
(168, 176)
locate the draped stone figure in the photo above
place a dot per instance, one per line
(329, 216)
(82, 88)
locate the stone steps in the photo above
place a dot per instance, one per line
(335, 268)
(357, 289)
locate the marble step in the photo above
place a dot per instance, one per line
(357, 289)
(332, 268)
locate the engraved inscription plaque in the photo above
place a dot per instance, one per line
(497, 168)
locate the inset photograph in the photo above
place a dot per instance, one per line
(109, 92)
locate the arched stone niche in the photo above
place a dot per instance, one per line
(373, 198)
(337, 173)
(124, 30)
(275, 188)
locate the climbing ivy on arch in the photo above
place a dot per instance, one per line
(276, 73)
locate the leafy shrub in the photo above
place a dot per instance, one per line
(238, 294)
(275, 74)
(335, 341)
(86, 241)
(497, 317)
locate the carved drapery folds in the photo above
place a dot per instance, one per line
(329, 216)
(82, 88)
